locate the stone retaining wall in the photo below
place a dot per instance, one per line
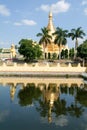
(14, 67)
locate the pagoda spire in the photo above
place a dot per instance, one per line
(50, 25)
(50, 15)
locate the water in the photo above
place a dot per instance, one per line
(43, 104)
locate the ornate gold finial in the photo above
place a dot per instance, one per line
(50, 25)
(50, 14)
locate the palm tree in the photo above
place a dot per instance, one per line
(75, 34)
(60, 38)
(45, 38)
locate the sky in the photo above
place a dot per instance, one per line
(23, 19)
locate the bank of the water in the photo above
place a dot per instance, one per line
(41, 74)
(39, 70)
(84, 75)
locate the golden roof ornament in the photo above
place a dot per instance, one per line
(50, 25)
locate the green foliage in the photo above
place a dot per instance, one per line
(0, 50)
(75, 34)
(82, 50)
(45, 38)
(71, 53)
(64, 54)
(28, 95)
(54, 56)
(60, 38)
(29, 50)
(38, 51)
(82, 97)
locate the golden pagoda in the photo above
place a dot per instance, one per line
(13, 51)
(52, 47)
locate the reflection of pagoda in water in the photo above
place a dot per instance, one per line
(50, 95)
(50, 104)
(12, 91)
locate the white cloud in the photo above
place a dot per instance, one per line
(85, 11)
(84, 2)
(61, 121)
(60, 6)
(4, 10)
(45, 8)
(28, 22)
(17, 24)
(25, 22)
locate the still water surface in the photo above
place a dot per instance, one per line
(43, 104)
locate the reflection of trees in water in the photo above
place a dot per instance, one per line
(64, 88)
(82, 96)
(50, 101)
(75, 110)
(43, 108)
(85, 87)
(28, 95)
(59, 106)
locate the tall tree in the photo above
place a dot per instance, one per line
(82, 50)
(75, 34)
(29, 50)
(60, 38)
(45, 38)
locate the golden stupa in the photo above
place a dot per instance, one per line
(13, 51)
(52, 47)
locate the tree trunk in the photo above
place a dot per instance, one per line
(44, 50)
(59, 53)
(75, 50)
(76, 44)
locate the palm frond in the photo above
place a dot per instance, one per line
(61, 36)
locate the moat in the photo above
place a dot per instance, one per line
(43, 103)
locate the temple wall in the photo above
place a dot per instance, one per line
(41, 68)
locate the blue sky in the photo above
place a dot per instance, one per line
(25, 18)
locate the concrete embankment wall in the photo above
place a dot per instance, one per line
(46, 68)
